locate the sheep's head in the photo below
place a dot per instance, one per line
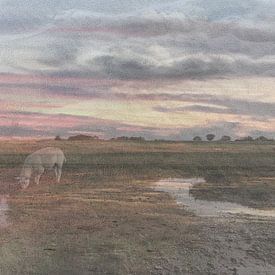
(24, 182)
(24, 178)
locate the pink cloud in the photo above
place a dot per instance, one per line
(54, 80)
(39, 121)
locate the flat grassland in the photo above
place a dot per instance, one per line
(105, 217)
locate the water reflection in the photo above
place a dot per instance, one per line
(179, 189)
(4, 207)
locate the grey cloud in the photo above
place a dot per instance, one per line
(10, 25)
(116, 67)
(217, 40)
(19, 17)
(59, 55)
(224, 105)
(226, 10)
(212, 9)
(228, 50)
(64, 90)
(192, 67)
(133, 16)
(144, 26)
(102, 91)
(210, 50)
(99, 6)
(11, 131)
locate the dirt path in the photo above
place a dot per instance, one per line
(240, 246)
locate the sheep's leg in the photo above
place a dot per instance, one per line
(59, 173)
(40, 173)
(26, 184)
(55, 171)
(37, 179)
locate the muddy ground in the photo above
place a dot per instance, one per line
(106, 218)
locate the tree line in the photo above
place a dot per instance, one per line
(209, 137)
(225, 138)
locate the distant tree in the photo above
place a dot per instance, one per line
(57, 138)
(225, 138)
(248, 138)
(197, 138)
(210, 137)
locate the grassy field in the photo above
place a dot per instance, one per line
(104, 218)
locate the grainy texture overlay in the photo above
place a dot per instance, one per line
(137, 137)
(106, 217)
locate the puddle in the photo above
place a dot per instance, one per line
(179, 189)
(4, 207)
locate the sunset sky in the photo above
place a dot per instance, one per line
(153, 68)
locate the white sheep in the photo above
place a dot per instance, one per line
(37, 162)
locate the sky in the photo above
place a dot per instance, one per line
(153, 68)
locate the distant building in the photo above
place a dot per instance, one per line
(225, 138)
(262, 139)
(124, 138)
(248, 138)
(83, 137)
(57, 138)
